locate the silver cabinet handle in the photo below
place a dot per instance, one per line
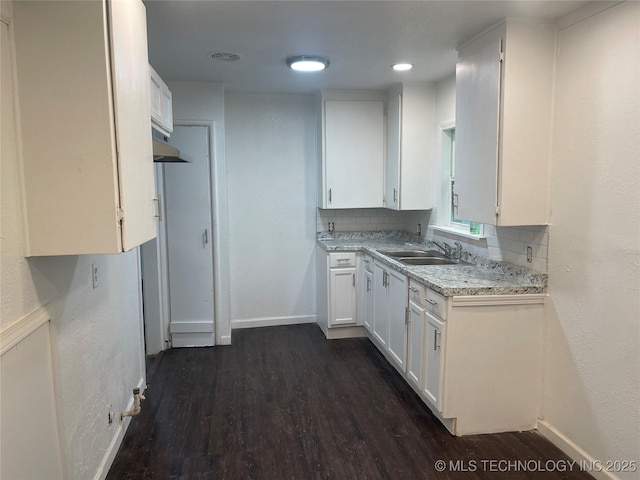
(384, 279)
(343, 260)
(414, 290)
(395, 196)
(205, 236)
(368, 284)
(431, 302)
(329, 195)
(353, 282)
(158, 200)
(436, 334)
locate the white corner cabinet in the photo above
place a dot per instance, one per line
(83, 79)
(410, 147)
(336, 284)
(504, 88)
(161, 104)
(351, 149)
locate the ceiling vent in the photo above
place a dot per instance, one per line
(225, 56)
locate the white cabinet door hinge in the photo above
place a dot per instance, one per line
(497, 210)
(120, 215)
(501, 57)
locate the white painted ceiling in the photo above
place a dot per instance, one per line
(362, 39)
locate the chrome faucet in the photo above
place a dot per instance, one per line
(445, 247)
(457, 255)
(448, 250)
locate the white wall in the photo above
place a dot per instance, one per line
(271, 175)
(96, 333)
(592, 375)
(203, 101)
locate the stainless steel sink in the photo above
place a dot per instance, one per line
(412, 253)
(422, 257)
(432, 261)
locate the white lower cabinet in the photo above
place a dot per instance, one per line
(365, 306)
(389, 312)
(415, 337)
(433, 345)
(342, 296)
(337, 284)
(474, 360)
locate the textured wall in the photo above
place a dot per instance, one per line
(271, 168)
(592, 382)
(96, 333)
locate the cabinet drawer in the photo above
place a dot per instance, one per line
(436, 303)
(343, 259)
(417, 292)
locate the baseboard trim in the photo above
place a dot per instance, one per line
(574, 451)
(118, 436)
(272, 321)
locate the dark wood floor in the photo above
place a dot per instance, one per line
(284, 403)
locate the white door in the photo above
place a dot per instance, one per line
(397, 311)
(394, 132)
(477, 126)
(343, 296)
(368, 300)
(415, 340)
(433, 355)
(189, 250)
(354, 153)
(380, 318)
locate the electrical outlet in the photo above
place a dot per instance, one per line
(95, 279)
(529, 254)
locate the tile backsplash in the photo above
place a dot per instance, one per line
(508, 244)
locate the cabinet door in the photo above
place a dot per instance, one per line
(368, 300)
(478, 78)
(397, 314)
(353, 153)
(130, 76)
(380, 316)
(155, 83)
(415, 341)
(434, 342)
(167, 109)
(342, 296)
(394, 132)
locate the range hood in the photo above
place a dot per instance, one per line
(162, 151)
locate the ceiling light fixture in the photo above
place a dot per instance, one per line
(402, 67)
(307, 63)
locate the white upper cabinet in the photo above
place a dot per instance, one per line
(410, 147)
(504, 85)
(83, 87)
(161, 103)
(352, 132)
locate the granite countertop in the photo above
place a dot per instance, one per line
(484, 277)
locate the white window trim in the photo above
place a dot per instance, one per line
(444, 210)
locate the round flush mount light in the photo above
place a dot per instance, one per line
(307, 63)
(402, 67)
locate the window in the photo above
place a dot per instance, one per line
(448, 186)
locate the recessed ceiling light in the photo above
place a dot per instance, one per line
(402, 67)
(225, 56)
(307, 63)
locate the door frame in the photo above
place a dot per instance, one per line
(220, 235)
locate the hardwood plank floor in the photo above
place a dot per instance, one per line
(284, 403)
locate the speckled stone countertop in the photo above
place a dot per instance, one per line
(484, 277)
